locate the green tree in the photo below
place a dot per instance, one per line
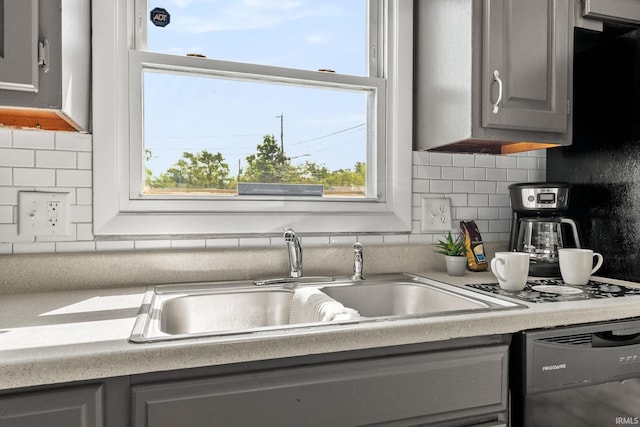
(269, 164)
(199, 170)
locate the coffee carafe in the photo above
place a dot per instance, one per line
(538, 227)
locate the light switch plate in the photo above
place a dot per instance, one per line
(43, 214)
(436, 214)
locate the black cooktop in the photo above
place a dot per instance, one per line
(552, 290)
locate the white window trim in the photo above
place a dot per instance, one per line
(118, 215)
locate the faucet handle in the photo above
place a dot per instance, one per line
(358, 261)
(289, 235)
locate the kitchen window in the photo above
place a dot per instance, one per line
(219, 123)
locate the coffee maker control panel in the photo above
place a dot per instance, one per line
(540, 198)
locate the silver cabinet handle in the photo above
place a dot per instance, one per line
(496, 77)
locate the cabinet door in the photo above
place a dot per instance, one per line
(19, 45)
(525, 64)
(67, 407)
(417, 389)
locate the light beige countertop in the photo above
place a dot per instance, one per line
(62, 336)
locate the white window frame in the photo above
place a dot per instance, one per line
(119, 212)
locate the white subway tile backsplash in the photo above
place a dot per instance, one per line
(85, 232)
(485, 161)
(79, 178)
(506, 162)
(32, 248)
(461, 160)
(396, 239)
(84, 196)
(429, 172)
(222, 243)
(527, 162)
(421, 157)
(6, 176)
(6, 214)
(494, 174)
(56, 159)
(8, 196)
(114, 245)
(441, 186)
(464, 187)
(499, 200)
(16, 158)
(84, 161)
(72, 141)
(441, 159)
(488, 213)
(75, 246)
(191, 243)
(34, 177)
(518, 175)
(477, 185)
(472, 174)
(488, 187)
(478, 200)
(5, 137)
(536, 176)
(499, 226)
(33, 139)
(421, 186)
(152, 244)
(450, 172)
(81, 213)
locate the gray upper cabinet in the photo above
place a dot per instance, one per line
(19, 45)
(525, 60)
(612, 10)
(493, 75)
(45, 57)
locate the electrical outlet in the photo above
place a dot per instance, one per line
(43, 214)
(436, 214)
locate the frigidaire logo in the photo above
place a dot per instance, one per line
(554, 367)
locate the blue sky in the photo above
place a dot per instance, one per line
(185, 113)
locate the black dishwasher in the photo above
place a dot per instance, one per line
(587, 375)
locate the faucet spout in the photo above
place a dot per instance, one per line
(295, 253)
(358, 262)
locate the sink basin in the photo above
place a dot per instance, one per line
(401, 299)
(226, 311)
(220, 309)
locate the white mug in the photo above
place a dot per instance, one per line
(511, 269)
(576, 265)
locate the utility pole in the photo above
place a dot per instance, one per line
(281, 117)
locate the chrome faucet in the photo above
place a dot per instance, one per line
(358, 262)
(295, 253)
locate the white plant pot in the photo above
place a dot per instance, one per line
(456, 265)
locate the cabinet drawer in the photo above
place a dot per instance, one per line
(422, 387)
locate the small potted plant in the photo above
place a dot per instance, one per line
(454, 254)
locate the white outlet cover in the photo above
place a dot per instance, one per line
(43, 214)
(436, 215)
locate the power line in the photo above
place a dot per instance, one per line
(329, 134)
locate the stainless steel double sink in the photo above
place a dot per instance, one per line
(214, 309)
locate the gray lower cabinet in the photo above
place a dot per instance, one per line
(493, 75)
(460, 387)
(64, 407)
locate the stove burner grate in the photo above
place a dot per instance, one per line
(592, 290)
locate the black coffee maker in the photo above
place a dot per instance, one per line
(538, 225)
